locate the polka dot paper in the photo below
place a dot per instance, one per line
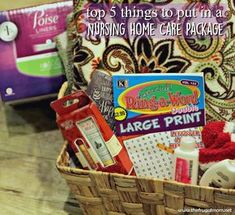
(148, 159)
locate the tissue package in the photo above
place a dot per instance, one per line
(30, 65)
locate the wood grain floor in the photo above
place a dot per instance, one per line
(29, 145)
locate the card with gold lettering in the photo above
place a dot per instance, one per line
(148, 103)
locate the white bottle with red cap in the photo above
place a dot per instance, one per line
(186, 161)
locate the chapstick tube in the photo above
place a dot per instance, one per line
(81, 145)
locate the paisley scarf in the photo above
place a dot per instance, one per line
(212, 56)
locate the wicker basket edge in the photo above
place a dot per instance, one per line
(70, 170)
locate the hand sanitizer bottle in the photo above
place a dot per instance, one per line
(186, 161)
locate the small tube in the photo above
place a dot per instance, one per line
(81, 145)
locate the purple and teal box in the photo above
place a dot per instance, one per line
(29, 62)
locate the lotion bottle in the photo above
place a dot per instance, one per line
(186, 161)
(220, 175)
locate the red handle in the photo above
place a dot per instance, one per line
(59, 105)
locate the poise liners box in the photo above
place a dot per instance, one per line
(30, 65)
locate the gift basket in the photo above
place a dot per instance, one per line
(114, 194)
(138, 143)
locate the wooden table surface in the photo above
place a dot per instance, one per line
(29, 145)
(29, 181)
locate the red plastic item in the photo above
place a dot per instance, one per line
(82, 120)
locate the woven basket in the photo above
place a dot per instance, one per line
(114, 194)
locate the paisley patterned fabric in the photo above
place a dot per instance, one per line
(212, 56)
